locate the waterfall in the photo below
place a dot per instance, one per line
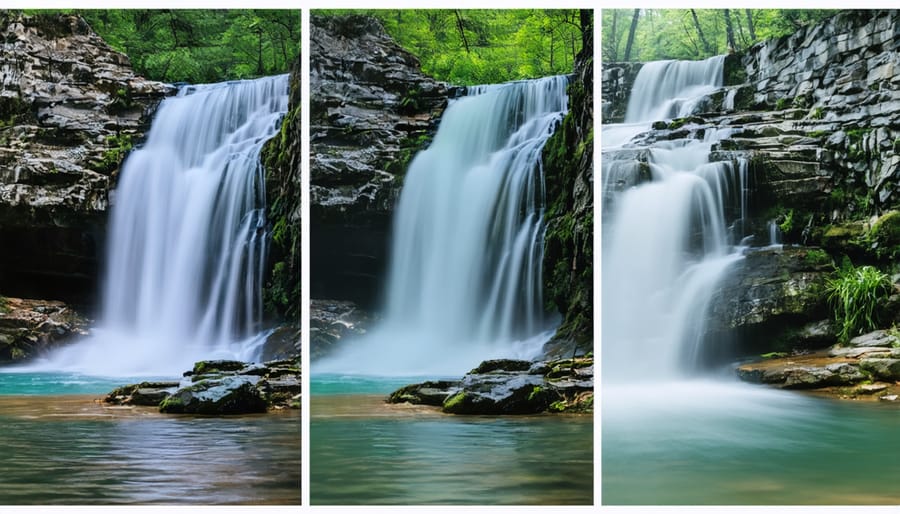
(668, 240)
(465, 281)
(187, 239)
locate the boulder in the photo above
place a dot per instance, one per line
(505, 386)
(227, 395)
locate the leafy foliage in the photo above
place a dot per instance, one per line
(697, 33)
(855, 295)
(481, 46)
(190, 45)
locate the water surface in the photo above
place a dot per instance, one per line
(364, 451)
(704, 442)
(74, 449)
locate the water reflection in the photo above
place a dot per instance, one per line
(69, 450)
(363, 451)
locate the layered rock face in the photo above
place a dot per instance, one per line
(371, 110)
(70, 109)
(29, 327)
(568, 243)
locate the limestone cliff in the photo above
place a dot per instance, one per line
(70, 109)
(371, 110)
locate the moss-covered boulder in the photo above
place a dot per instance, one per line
(226, 395)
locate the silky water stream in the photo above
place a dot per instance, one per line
(674, 432)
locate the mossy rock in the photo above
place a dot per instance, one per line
(217, 366)
(886, 229)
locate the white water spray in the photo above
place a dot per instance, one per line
(187, 238)
(465, 276)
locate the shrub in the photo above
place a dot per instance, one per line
(855, 295)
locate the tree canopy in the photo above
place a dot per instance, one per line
(481, 46)
(656, 34)
(193, 45)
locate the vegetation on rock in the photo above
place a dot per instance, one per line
(856, 294)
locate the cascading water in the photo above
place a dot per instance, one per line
(187, 239)
(465, 273)
(667, 242)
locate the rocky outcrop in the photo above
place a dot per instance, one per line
(31, 327)
(332, 321)
(569, 240)
(220, 387)
(70, 109)
(868, 367)
(371, 110)
(510, 387)
(617, 80)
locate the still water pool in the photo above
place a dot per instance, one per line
(61, 445)
(707, 442)
(364, 451)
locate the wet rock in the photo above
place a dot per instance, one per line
(333, 321)
(283, 342)
(226, 395)
(144, 393)
(31, 327)
(503, 386)
(220, 387)
(876, 339)
(71, 108)
(427, 393)
(885, 369)
(371, 110)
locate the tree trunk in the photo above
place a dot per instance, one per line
(613, 43)
(750, 24)
(462, 32)
(630, 43)
(706, 47)
(729, 31)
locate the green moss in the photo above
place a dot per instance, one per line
(118, 147)
(780, 104)
(817, 114)
(454, 401)
(535, 393)
(677, 123)
(817, 133)
(171, 403)
(787, 224)
(734, 72)
(815, 257)
(557, 406)
(774, 355)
